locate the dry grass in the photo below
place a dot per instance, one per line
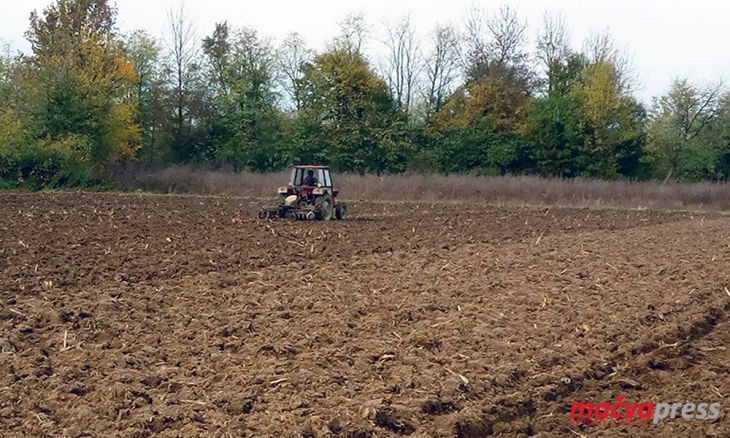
(499, 189)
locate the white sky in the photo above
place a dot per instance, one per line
(665, 38)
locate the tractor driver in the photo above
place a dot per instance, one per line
(310, 180)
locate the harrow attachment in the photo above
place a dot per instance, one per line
(303, 215)
(269, 213)
(285, 212)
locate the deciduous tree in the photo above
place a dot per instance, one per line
(441, 67)
(244, 122)
(292, 55)
(351, 115)
(82, 72)
(144, 51)
(610, 120)
(185, 88)
(404, 62)
(354, 32)
(686, 130)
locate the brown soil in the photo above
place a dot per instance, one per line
(139, 316)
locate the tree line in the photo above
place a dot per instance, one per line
(471, 98)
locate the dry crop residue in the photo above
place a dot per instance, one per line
(138, 316)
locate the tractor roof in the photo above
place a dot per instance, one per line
(309, 167)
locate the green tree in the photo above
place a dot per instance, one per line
(348, 116)
(556, 148)
(144, 51)
(12, 137)
(82, 73)
(244, 123)
(610, 121)
(482, 125)
(722, 168)
(687, 131)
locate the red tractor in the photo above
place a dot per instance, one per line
(309, 195)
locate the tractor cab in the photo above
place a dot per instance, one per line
(308, 181)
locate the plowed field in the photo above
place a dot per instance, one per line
(136, 316)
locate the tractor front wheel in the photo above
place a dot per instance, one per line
(323, 207)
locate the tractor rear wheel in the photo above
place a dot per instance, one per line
(341, 211)
(323, 207)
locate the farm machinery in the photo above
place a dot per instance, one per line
(309, 195)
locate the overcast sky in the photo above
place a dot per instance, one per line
(665, 38)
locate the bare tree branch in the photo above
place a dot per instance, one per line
(353, 34)
(181, 38)
(292, 54)
(601, 47)
(441, 65)
(553, 41)
(404, 61)
(475, 38)
(494, 42)
(508, 36)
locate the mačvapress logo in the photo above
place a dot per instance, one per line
(644, 413)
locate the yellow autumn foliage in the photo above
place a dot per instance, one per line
(126, 134)
(490, 98)
(11, 133)
(599, 91)
(89, 72)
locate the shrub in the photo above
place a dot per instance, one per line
(47, 165)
